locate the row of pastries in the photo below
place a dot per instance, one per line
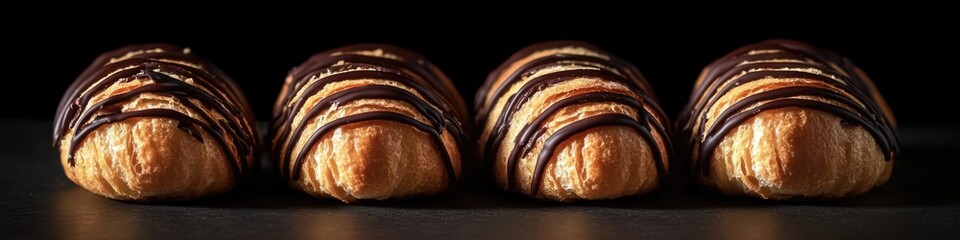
(562, 120)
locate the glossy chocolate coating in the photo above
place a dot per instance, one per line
(439, 104)
(211, 90)
(624, 73)
(780, 59)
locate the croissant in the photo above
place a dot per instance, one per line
(152, 123)
(368, 121)
(783, 119)
(567, 121)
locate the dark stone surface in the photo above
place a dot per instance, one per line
(38, 201)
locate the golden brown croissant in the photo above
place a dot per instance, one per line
(154, 122)
(782, 119)
(368, 121)
(565, 121)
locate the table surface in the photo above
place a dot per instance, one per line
(38, 201)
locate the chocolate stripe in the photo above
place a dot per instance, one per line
(372, 116)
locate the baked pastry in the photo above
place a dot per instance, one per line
(566, 121)
(783, 119)
(368, 121)
(154, 122)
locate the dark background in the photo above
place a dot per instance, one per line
(908, 57)
(907, 50)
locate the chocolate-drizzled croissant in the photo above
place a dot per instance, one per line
(368, 121)
(782, 119)
(154, 122)
(566, 120)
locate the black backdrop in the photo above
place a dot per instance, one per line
(908, 57)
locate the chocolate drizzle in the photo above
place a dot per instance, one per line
(433, 97)
(592, 67)
(157, 64)
(780, 59)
